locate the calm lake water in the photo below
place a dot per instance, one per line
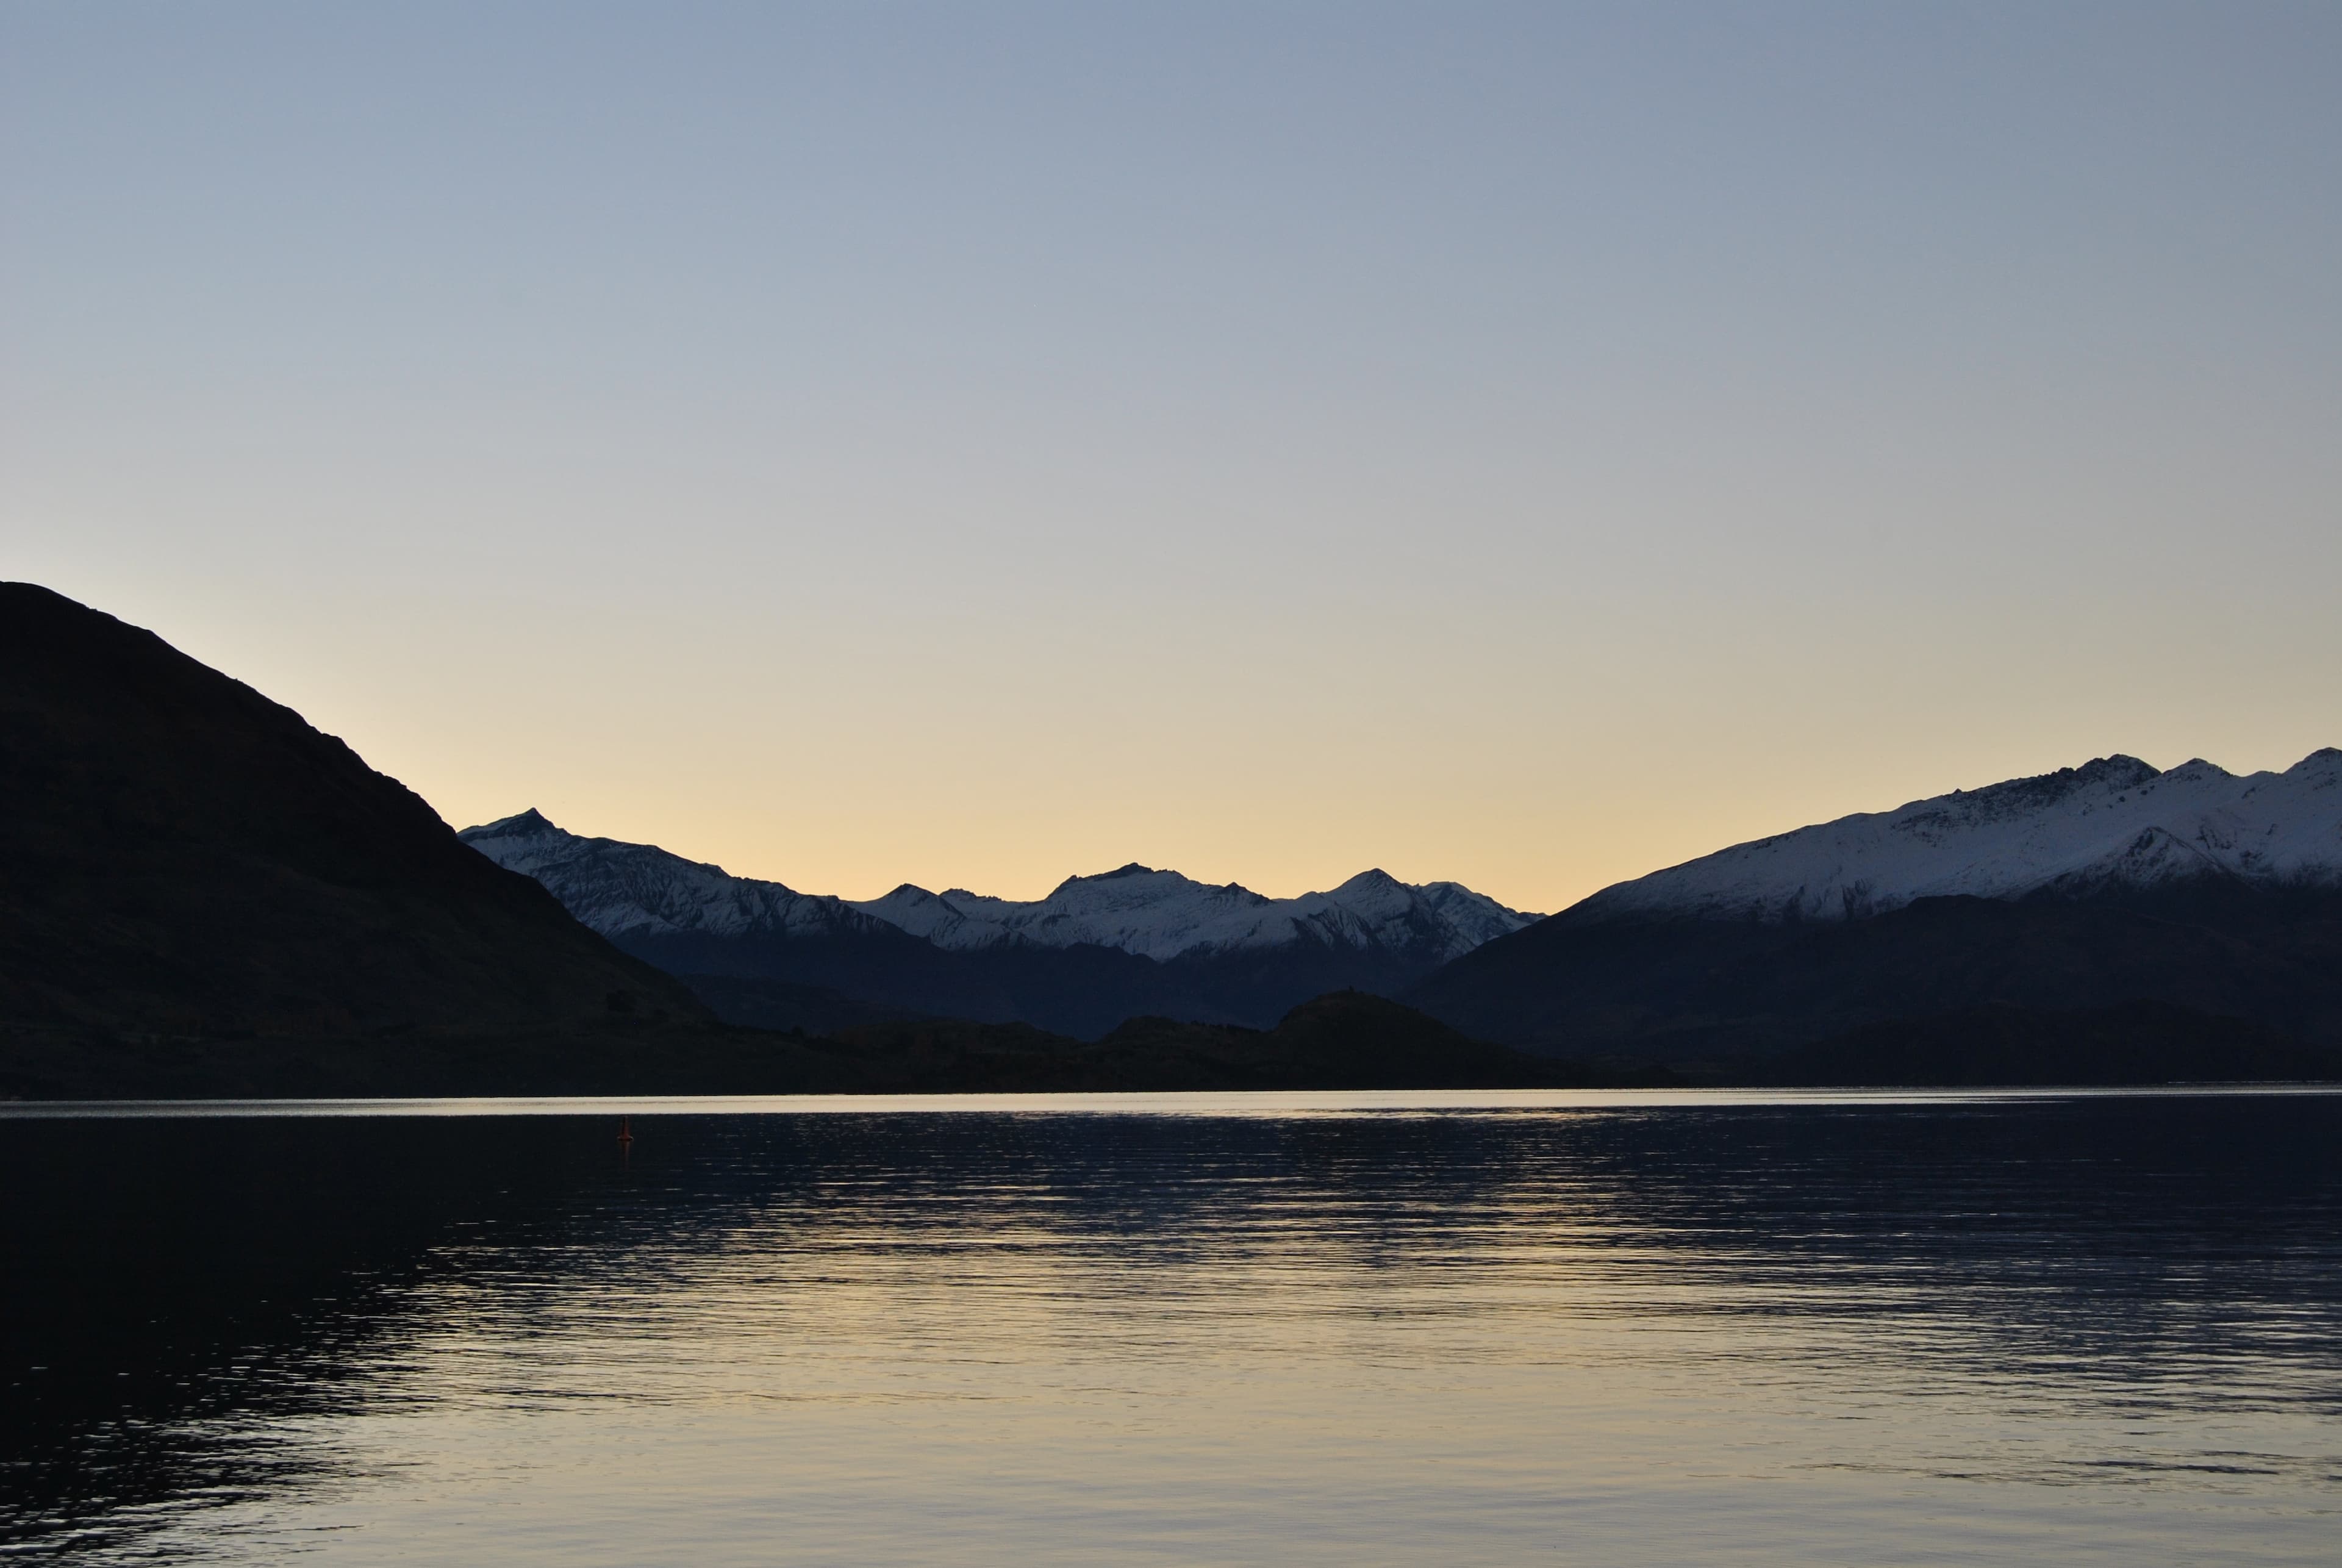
(1508, 1328)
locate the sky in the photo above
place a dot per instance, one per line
(973, 444)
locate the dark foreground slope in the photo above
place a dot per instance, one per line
(182, 859)
(2249, 963)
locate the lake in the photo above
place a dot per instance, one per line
(1531, 1327)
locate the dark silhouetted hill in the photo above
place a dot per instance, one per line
(2198, 909)
(182, 859)
(1683, 991)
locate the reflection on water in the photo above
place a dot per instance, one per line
(2101, 1329)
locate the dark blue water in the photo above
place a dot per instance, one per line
(1559, 1329)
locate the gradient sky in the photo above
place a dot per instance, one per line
(971, 445)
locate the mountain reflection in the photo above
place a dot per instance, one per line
(206, 1314)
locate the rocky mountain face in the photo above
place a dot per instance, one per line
(2090, 889)
(183, 860)
(1097, 951)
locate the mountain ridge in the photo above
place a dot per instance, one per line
(1164, 915)
(181, 858)
(1100, 949)
(2113, 823)
(614, 885)
(2068, 893)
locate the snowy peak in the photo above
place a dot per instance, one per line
(527, 824)
(946, 919)
(620, 889)
(624, 889)
(1164, 915)
(1377, 883)
(1473, 917)
(522, 842)
(2116, 822)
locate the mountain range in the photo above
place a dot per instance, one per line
(202, 894)
(2115, 824)
(2058, 897)
(1097, 951)
(2101, 903)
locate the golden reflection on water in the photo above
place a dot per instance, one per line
(1958, 1330)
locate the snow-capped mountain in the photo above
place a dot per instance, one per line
(627, 889)
(616, 887)
(1162, 915)
(2109, 903)
(2115, 823)
(1097, 951)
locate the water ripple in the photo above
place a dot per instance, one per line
(1770, 1331)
